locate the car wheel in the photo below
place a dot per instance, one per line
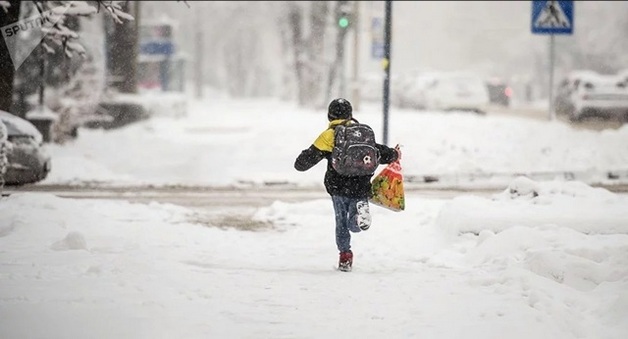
(564, 108)
(575, 118)
(44, 173)
(572, 113)
(579, 115)
(559, 108)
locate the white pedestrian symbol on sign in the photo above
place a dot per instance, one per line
(552, 16)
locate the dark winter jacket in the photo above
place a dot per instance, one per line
(336, 184)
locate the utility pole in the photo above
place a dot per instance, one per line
(552, 17)
(386, 65)
(552, 48)
(356, 55)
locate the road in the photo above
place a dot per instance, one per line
(210, 197)
(219, 198)
(218, 206)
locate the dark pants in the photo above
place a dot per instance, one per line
(349, 213)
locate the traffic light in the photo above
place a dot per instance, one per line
(344, 15)
(343, 22)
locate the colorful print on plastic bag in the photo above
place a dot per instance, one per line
(387, 188)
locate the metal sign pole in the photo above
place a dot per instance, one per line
(552, 115)
(552, 17)
(386, 64)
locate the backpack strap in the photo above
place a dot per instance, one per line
(344, 123)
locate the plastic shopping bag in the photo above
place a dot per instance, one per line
(387, 187)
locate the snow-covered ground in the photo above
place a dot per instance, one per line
(223, 142)
(541, 259)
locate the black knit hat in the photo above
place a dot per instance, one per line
(339, 109)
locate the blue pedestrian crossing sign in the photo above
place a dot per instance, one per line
(552, 17)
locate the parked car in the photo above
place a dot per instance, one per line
(28, 159)
(563, 104)
(412, 93)
(589, 94)
(499, 92)
(457, 91)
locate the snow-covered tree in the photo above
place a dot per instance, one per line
(303, 27)
(52, 24)
(10, 13)
(46, 67)
(77, 99)
(3, 153)
(240, 49)
(48, 51)
(272, 48)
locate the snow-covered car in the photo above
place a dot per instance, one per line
(412, 95)
(589, 94)
(457, 91)
(28, 159)
(562, 98)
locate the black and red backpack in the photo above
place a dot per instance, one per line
(354, 152)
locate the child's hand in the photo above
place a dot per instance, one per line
(398, 149)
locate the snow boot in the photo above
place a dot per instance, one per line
(346, 261)
(363, 217)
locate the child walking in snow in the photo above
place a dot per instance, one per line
(349, 194)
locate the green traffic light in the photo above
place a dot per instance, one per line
(343, 22)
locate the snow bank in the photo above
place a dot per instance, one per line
(526, 203)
